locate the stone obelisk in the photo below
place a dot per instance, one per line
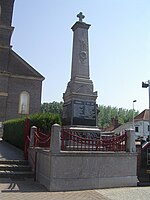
(80, 99)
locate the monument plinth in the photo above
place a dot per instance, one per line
(79, 98)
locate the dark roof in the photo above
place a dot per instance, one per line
(144, 116)
(18, 66)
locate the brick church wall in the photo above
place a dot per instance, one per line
(16, 75)
(18, 85)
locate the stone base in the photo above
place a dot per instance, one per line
(85, 130)
(66, 170)
(77, 184)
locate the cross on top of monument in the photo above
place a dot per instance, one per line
(80, 16)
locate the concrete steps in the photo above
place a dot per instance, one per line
(15, 169)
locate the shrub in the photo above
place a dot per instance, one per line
(44, 121)
(13, 132)
(14, 129)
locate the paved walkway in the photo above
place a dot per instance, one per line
(9, 152)
(18, 189)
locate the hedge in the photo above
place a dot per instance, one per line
(14, 129)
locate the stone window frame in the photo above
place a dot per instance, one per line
(26, 101)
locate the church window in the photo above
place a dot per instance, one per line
(24, 99)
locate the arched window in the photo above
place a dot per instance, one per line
(24, 100)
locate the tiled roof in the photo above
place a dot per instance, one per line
(125, 126)
(144, 116)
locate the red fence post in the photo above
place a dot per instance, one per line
(26, 134)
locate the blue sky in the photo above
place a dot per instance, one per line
(119, 41)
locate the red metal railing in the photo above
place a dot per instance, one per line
(41, 139)
(113, 143)
(72, 142)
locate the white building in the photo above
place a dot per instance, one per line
(141, 123)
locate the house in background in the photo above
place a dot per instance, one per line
(113, 125)
(20, 83)
(141, 124)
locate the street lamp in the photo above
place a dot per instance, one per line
(133, 115)
(146, 85)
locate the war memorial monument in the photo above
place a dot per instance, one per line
(80, 110)
(68, 165)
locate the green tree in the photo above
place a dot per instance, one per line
(106, 113)
(54, 107)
